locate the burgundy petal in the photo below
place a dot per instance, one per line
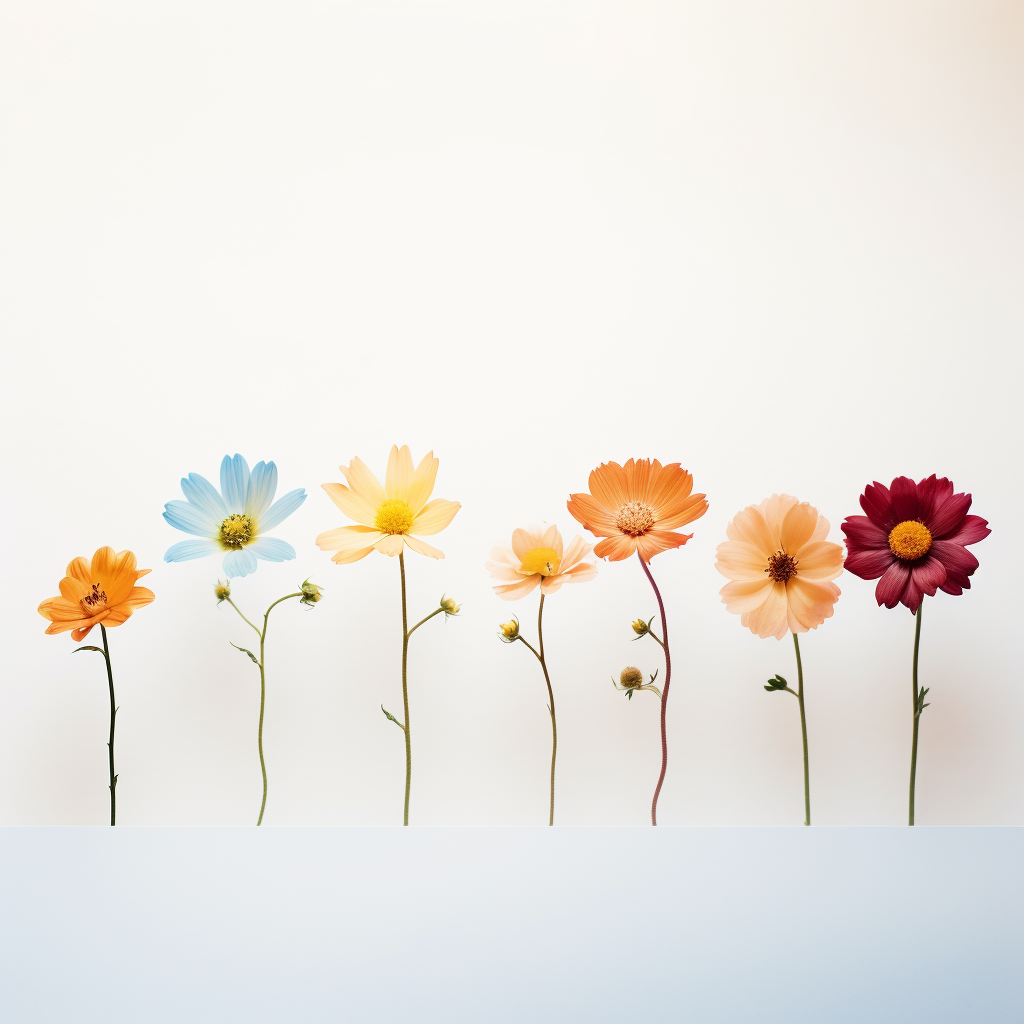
(948, 516)
(890, 586)
(868, 564)
(955, 558)
(932, 492)
(928, 575)
(971, 530)
(862, 533)
(904, 499)
(912, 595)
(955, 584)
(877, 502)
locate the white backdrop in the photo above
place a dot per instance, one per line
(779, 244)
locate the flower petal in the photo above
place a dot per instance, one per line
(352, 504)
(869, 565)
(608, 484)
(904, 499)
(422, 485)
(947, 518)
(79, 569)
(970, 531)
(272, 549)
(551, 584)
(615, 549)
(750, 527)
(282, 509)
(656, 541)
(61, 609)
(354, 555)
(514, 591)
(821, 560)
(365, 485)
(581, 573)
(399, 474)
(741, 596)
(592, 515)
(422, 547)
(738, 560)
(955, 559)
(201, 493)
(797, 527)
(877, 503)
(348, 538)
(861, 532)
(393, 544)
(262, 488)
(188, 549)
(810, 602)
(241, 562)
(234, 482)
(769, 618)
(190, 519)
(892, 584)
(434, 517)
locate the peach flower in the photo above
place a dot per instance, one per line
(780, 566)
(388, 516)
(536, 557)
(102, 590)
(636, 507)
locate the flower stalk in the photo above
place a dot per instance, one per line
(919, 706)
(664, 693)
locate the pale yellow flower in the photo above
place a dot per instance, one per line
(537, 557)
(388, 516)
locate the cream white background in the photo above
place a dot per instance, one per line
(777, 243)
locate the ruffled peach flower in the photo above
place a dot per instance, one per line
(536, 557)
(636, 507)
(388, 516)
(101, 591)
(780, 565)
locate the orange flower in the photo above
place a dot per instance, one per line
(103, 591)
(636, 507)
(388, 515)
(780, 566)
(536, 557)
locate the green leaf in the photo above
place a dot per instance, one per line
(99, 650)
(391, 718)
(245, 650)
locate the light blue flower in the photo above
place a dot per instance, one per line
(235, 523)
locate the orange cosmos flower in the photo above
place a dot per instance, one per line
(636, 507)
(780, 566)
(101, 591)
(537, 557)
(388, 516)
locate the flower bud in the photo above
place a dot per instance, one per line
(510, 630)
(448, 605)
(222, 590)
(640, 627)
(631, 677)
(310, 593)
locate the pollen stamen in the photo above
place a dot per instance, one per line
(635, 518)
(781, 567)
(394, 516)
(910, 540)
(236, 531)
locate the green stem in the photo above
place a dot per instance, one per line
(426, 618)
(539, 655)
(110, 741)
(917, 714)
(406, 633)
(803, 730)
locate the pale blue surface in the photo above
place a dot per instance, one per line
(703, 925)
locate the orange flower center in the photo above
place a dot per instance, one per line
(94, 602)
(236, 531)
(394, 516)
(635, 518)
(540, 560)
(910, 540)
(781, 567)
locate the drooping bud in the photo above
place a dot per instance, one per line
(222, 590)
(448, 605)
(510, 630)
(311, 593)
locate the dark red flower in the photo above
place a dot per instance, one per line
(914, 537)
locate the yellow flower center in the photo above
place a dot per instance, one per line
(394, 516)
(635, 518)
(542, 560)
(236, 531)
(781, 567)
(910, 540)
(631, 677)
(94, 602)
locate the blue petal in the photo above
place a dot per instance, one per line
(202, 493)
(234, 482)
(186, 549)
(240, 562)
(262, 486)
(282, 509)
(189, 519)
(272, 550)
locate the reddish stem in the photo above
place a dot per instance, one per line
(664, 692)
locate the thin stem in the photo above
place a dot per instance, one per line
(406, 633)
(110, 741)
(239, 610)
(803, 730)
(664, 692)
(263, 693)
(917, 714)
(426, 618)
(551, 705)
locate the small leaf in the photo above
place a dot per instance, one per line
(391, 718)
(245, 650)
(99, 650)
